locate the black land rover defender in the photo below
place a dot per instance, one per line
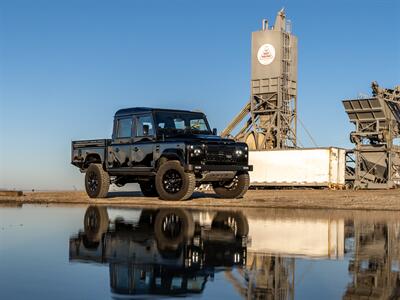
(168, 152)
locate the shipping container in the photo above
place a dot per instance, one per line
(314, 167)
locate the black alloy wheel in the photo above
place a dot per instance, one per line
(172, 226)
(234, 188)
(97, 181)
(231, 223)
(95, 222)
(172, 181)
(92, 220)
(234, 222)
(93, 181)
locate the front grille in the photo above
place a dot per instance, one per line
(220, 154)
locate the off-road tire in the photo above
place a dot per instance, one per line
(233, 189)
(95, 222)
(148, 188)
(167, 240)
(236, 222)
(96, 171)
(188, 181)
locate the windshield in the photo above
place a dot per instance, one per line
(171, 123)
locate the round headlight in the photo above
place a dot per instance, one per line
(239, 152)
(197, 151)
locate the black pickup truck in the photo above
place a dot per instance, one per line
(168, 152)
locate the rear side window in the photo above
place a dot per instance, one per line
(124, 128)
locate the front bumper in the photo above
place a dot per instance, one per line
(218, 168)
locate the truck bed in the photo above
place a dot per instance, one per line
(84, 150)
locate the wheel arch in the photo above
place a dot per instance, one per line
(171, 154)
(92, 158)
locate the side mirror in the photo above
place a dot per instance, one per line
(145, 130)
(214, 131)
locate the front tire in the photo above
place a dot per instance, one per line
(173, 183)
(97, 181)
(172, 228)
(236, 188)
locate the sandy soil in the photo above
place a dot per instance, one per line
(326, 199)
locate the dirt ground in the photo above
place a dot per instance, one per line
(295, 199)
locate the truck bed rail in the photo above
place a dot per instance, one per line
(89, 143)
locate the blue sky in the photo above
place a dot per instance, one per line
(66, 66)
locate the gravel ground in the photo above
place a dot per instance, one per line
(310, 199)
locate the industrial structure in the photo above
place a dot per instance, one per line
(269, 118)
(265, 277)
(372, 267)
(371, 247)
(268, 121)
(375, 160)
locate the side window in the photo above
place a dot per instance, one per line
(144, 126)
(179, 123)
(124, 128)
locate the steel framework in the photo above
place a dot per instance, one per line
(376, 251)
(272, 109)
(375, 160)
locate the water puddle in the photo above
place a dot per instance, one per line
(113, 252)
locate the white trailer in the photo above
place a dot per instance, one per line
(292, 237)
(314, 167)
(297, 238)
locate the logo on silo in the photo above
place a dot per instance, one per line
(266, 54)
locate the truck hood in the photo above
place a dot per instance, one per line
(202, 138)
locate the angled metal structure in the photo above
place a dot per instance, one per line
(376, 250)
(375, 161)
(270, 116)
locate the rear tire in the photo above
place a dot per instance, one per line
(173, 183)
(148, 188)
(95, 222)
(97, 181)
(236, 188)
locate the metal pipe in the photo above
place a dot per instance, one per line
(264, 24)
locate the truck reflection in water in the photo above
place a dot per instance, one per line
(176, 251)
(165, 252)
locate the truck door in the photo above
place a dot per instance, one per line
(144, 141)
(120, 148)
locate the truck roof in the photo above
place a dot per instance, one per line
(134, 110)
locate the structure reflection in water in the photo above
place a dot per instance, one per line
(375, 260)
(176, 251)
